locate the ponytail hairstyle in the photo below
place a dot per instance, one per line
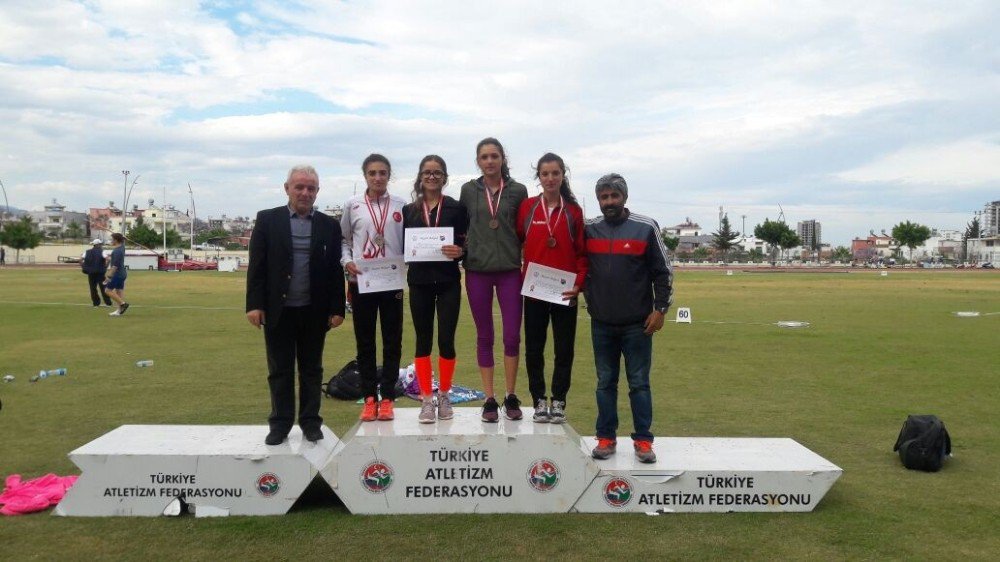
(504, 169)
(564, 189)
(418, 189)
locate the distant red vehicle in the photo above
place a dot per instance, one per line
(186, 265)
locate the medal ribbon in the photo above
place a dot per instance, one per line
(379, 220)
(489, 199)
(427, 214)
(548, 223)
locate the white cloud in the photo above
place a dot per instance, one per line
(816, 105)
(965, 164)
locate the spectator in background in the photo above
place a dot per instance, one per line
(114, 278)
(94, 266)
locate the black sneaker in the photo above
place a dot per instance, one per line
(490, 410)
(512, 407)
(122, 309)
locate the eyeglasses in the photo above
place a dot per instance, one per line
(432, 174)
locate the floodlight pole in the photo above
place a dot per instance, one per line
(194, 213)
(5, 202)
(163, 211)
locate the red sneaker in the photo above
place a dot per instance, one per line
(604, 449)
(644, 451)
(368, 413)
(385, 410)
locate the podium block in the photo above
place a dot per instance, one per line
(694, 474)
(461, 465)
(142, 470)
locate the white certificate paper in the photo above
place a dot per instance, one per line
(547, 283)
(381, 274)
(424, 243)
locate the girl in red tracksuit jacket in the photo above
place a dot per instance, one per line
(551, 228)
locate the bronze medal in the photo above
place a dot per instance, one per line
(551, 242)
(379, 240)
(494, 224)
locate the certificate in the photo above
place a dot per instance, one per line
(547, 283)
(424, 243)
(381, 274)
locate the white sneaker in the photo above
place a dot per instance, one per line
(541, 411)
(427, 413)
(557, 414)
(116, 313)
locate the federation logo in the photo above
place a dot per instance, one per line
(268, 484)
(376, 477)
(618, 492)
(543, 475)
(397, 217)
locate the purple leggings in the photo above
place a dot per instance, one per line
(479, 286)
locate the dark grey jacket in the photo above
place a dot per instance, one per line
(486, 249)
(629, 270)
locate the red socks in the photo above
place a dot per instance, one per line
(446, 370)
(423, 367)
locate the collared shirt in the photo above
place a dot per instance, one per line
(298, 286)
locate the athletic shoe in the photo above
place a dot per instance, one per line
(491, 410)
(557, 414)
(124, 308)
(313, 434)
(512, 407)
(604, 449)
(541, 411)
(116, 312)
(644, 451)
(370, 410)
(427, 411)
(385, 410)
(445, 411)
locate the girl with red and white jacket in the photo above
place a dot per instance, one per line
(551, 228)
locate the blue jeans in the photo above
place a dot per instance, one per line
(610, 344)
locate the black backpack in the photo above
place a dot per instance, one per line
(923, 443)
(346, 384)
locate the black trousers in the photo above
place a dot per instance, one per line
(386, 307)
(95, 280)
(298, 335)
(536, 326)
(425, 298)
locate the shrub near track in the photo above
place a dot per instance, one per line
(877, 348)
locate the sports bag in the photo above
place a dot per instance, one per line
(923, 443)
(346, 384)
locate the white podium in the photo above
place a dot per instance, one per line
(460, 466)
(141, 470)
(706, 474)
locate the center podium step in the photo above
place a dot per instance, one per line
(462, 465)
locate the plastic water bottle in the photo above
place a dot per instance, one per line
(52, 373)
(144, 363)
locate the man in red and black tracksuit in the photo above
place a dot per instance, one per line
(629, 289)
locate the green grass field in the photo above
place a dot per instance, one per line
(878, 348)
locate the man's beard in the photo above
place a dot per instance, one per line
(613, 212)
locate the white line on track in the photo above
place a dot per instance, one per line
(131, 305)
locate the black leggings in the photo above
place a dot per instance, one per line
(447, 297)
(386, 308)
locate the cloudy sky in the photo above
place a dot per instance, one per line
(858, 114)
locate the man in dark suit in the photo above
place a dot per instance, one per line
(95, 266)
(295, 290)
